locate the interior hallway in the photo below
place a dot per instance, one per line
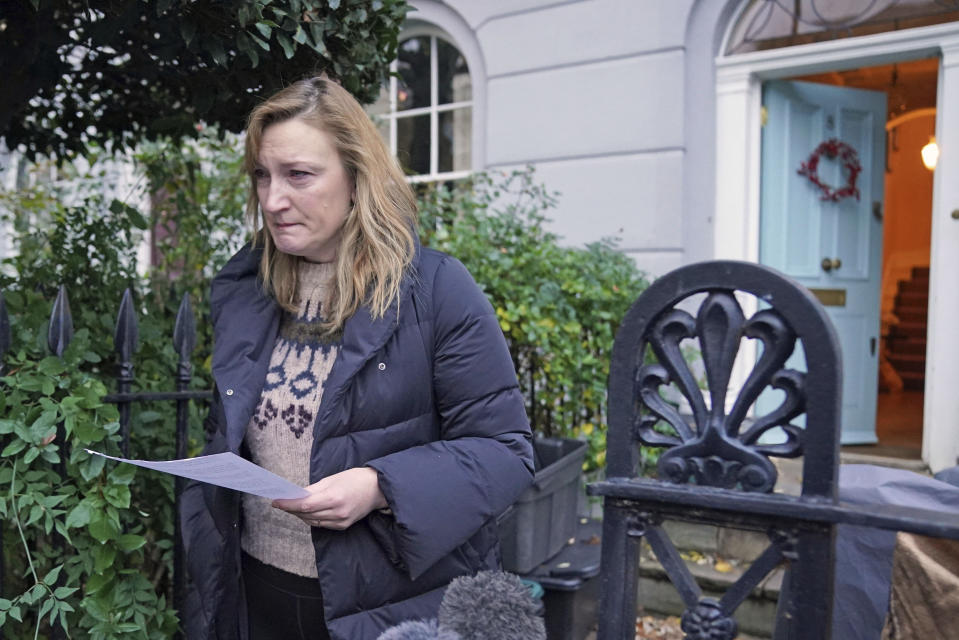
(898, 426)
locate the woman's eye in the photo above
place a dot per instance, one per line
(259, 174)
(294, 173)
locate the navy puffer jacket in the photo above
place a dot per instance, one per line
(427, 396)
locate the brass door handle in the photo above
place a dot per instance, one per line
(828, 264)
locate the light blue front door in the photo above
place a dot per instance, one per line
(831, 247)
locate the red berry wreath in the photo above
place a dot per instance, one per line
(833, 148)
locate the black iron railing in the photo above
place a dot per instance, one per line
(717, 469)
(126, 337)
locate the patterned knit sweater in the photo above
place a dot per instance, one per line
(280, 433)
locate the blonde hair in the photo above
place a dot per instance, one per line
(377, 240)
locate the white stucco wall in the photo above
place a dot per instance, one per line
(592, 93)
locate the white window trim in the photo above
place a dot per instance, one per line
(422, 30)
(431, 17)
(739, 81)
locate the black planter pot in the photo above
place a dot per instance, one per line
(543, 520)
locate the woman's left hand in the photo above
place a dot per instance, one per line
(337, 501)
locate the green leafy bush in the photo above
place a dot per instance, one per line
(74, 541)
(88, 546)
(559, 306)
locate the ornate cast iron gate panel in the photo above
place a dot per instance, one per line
(715, 468)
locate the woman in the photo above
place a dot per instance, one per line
(361, 366)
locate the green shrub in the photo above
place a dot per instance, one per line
(75, 537)
(109, 528)
(559, 306)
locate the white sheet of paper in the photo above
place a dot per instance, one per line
(224, 470)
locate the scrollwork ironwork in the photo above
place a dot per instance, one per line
(716, 450)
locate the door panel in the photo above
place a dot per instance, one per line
(799, 230)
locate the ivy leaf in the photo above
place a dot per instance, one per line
(122, 474)
(263, 44)
(118, 496)
(215, 47)
(286, 43)
(92, 467)
(51, 366)
(13, 448)
(102, 528)
(46, 606)
(130, 542)
(42, 424)
(103, 556)
(27, 459)
(80, 515)
(86, 431)
(52, 575)
(97, 582)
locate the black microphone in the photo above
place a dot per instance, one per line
(492, 605)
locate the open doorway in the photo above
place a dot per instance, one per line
(910, 88)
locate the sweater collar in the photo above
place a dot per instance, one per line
(247, 322)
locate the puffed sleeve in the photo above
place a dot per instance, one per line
(441, 493)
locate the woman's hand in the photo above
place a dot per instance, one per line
(337, 501)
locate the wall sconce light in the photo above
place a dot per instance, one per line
(930, 153)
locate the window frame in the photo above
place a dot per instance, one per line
(434, 109)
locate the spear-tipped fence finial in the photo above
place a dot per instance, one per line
(126, 336)
(5, 339)
(184, 336)
(60, 332)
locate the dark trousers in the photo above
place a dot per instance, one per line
(281, 605)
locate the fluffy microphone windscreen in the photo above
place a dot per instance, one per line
(492, 605)
(418, 630)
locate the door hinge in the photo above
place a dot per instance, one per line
(877, 210)
(763, 116)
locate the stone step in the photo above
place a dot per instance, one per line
(913, 380)
(914, 286)
(755, 616)
(909, 329)
(911, 300)
(908, 362)
(912, 314)
(906, 345)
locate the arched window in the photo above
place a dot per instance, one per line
(770, 24)
(426, 113)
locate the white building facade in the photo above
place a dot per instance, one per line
(648, 120)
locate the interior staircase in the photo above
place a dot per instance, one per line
(907, 339)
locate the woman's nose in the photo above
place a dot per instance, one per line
(273, 197)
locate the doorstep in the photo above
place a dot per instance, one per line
(755, 616)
